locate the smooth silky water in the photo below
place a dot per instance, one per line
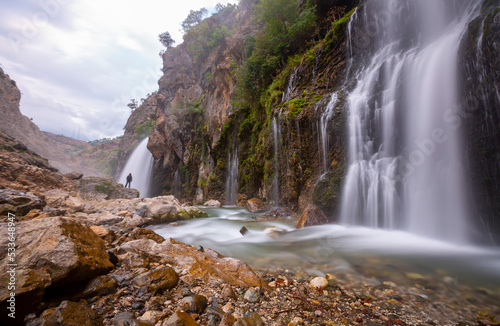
(370, 255)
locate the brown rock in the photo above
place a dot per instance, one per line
(241, 199)
(158, 280)
(207, 265)
(70, 314)
(312, 215)
(228, 293)
(255, 205)
(180, 319)
(19, 202)
(52, 251)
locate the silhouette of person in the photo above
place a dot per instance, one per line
(129, 180)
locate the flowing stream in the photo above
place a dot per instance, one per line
(140, 164)
(336, 248)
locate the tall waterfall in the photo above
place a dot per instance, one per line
(405, 165)
(140, 164)
(232, 173)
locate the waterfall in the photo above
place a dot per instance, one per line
(232, 173)
(177, 186)
(404, 149)
(276, 139)
(140, 164)
(323, 132)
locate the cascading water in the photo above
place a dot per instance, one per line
(140, 164)
(323, 131)
(276, 139)
(232, 174)
(177, 190)
(405, 163)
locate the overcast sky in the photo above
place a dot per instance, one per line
(79, 62)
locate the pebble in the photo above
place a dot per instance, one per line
(251, 296)
(318, 283)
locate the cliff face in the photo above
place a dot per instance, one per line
(194, 103)
(277, 152)
(479, 115)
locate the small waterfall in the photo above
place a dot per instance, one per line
(177, 186)
(276, 140)
(287, 94)
(324, 145)
(140, 164)
(405, 163)
(232, 173)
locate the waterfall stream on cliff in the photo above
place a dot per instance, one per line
(140, 164)
(405, 166)
(232, 173)
(276, 140)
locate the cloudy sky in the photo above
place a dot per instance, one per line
(79, 62)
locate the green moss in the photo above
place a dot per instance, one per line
(104, 186)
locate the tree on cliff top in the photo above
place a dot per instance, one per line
(194, 18)
(166, 39)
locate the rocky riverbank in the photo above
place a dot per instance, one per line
(85, 259)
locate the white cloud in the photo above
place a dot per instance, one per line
(79, 62)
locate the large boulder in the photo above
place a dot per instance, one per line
(70, 314)
(52, 251)
(165, 209)
(213, 203)
(256, 205)
(312, 215)
(206, 264)
(104, 188)
(19, 202)
(158, 280)
(123, 193)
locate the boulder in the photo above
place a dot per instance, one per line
(165, 209)
(19, 202)
(123, 193)
(213, 203)
(70, 314)
(158, 280)
(241, 199)
(256, 205)
(312, 215)
(207, 264)
(74, 175)
(52, 251)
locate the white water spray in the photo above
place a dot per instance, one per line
(405, 167)
(140, 164)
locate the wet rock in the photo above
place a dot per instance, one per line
(241, 199)
(256, 205)
(243, 230)
(158, 280)
(19, 202)
(194, 304)
(312, 215)
(207, 265)
(318, 283)
(74, 175)
(228, 293)
(70, 314)
(127, 319)
(179, 318)
(52, 251)
(276, 213)
(251, 296)
(213, 203)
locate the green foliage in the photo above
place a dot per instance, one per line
(194, 18)
(166, 39)
(204, 37)
(104, 186)
(142, 130)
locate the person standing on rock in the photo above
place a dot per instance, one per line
(129, 180)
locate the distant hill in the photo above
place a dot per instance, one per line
(98, 158)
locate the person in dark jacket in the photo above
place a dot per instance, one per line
(129, 180)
